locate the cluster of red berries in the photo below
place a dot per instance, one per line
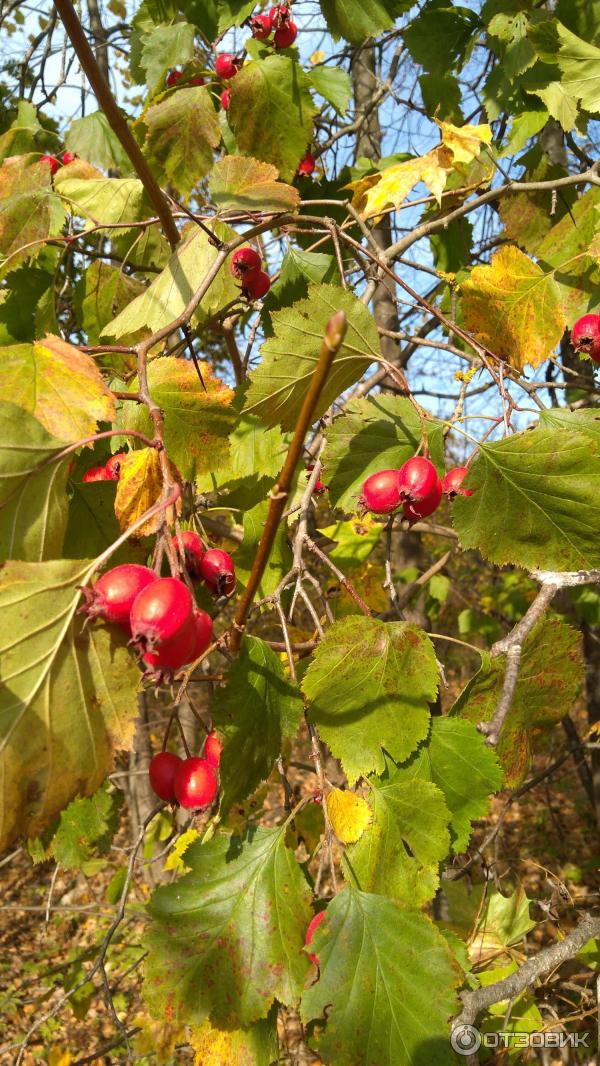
(212, 565)
(111, 471)
(278, 22)
(415, 487)
(585, 336)
(175, 76)
(54, 163)
(246, 266)
(192, 782)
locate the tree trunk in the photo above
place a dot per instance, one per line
(100, 39)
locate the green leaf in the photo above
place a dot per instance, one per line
(379, 433)
(227, 938)
(92, 525)
(523, 126)
(271, 112)
(165, 47)
(237, 182)
(204, 15)
(559, 104)
(535, 500)
(92, 138)
(20, 299)
(182, 134)
(570, 238)
(399, 854)
(254, 711)
(280, 559)
(387, 984)
(442, 97)
(30, 211)
(577, 60)
(167, 296)
(456, 758)
(298, 270)
(335, 85)
(526, 216)
(549, 681)
(255, 451)
(108, 200)
(369, 686)
(503, 920)
(357, 21)
(67, 700)
(279, 385)
(101, 292)
(86, 828)
(439, 38)
(20, 137)
(33, 504)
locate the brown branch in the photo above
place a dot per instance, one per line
(115, 118)
(335, 332)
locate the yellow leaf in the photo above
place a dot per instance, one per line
(174, 859)
(215, 1047)
(59, 1057)
(157, 1038)
(464, 141)
(139, 487)
(316, 57)
(349, 815)
(390, 188)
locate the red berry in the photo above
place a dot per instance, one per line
(68, 157)
(422, 508)
(319, 486)
(161, 772)
(585, 336)
(307, 165)
(197, 80)
(417, 479)
(171, 654)
(203, 633)
(173, 77)
(95, 473)
(285, 35)
(213, 749)
(279, 16)
(113, 594)
(195, 783)
(226, 66)
(245, 263)
(225, 99)
(193, 550)
(52, 162)
(260, 26)
(218, 571)
(161, 612)
(256, 285)
(452, 482)
(310, 932)
(381, 492)
(113, 466)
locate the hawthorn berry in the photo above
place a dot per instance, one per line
(193, 549)
(52, 162)
(414, 510)
(279, 15)
(161, 612)
(113, 594)
(173, 78)
(195, 783)
(161, 772)
(452, 482)
(260, 27)
(225, 99)
(307, 165)
(381, 492)
(212, 749)
(68, 157)
(256, 285)
(319, 486)
(95, 473)
(203, 633)
(417, 479)
(245, 263)
(172, 654)
(113, 466)
(310, 932)
(196, 80)
(285, 35)
(585, 336)
(226, 66)
(218, 571)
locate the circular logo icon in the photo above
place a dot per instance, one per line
(465, 1039)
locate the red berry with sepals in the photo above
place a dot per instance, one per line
(161, 772)
(307, 165)
(193, 550)
(245, 263)
(585, 336)
(196, 80)
(423, 508)
(218, 571)
(260, 27)
(113, 595)
(95, 473)
(452, 482)
(173, 78)
(212, 749)
(381, 492)
(113, 466)
(195, 784)
(417, 479)
(226, 66)
(256, 285)
(285, 36)
(171, 655)
(52, 162)
(225, 99)
(279, 16)
(160, 613)
(310, 932)
(68, 157)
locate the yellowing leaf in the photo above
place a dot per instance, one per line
(464, 141)
(174, 859)
(242, 1047)
(244, 183)
(316, 57)
(349, 815)
(140, 486)
(59, 1057)
(514, 308)
(157, 1038)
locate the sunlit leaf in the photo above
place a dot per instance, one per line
(349, 814)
